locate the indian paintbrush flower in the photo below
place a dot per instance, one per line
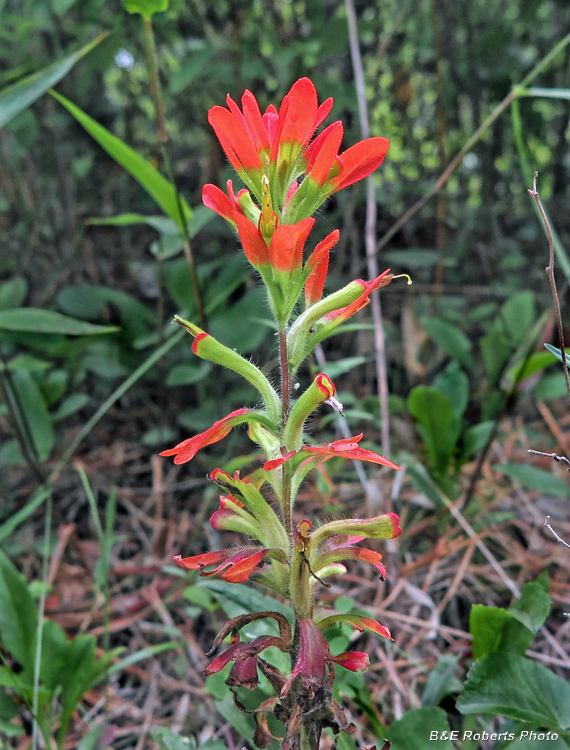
(288, 170)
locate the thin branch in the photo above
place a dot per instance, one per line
(550, 455)
(550, 273)
(370, 232)
(554, 534)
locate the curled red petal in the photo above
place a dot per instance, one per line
(254, 246)
(318, 263)
(287, 244)
(353, 660)
(326, 155)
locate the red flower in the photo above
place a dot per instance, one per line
(285, 250)
(244, 655)
(277, 145)
(187, 449)
(236, 565)
(337, 449)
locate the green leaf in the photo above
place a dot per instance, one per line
(454, 384)
(438, 425)
(166, 739)
(536, 479)
(533, 364)
(13, 292)
(441, 681)
(18, 617)
(38, 420)
(157, 186)
(532, 607)
(45, 321)
(495, 629)
(20, 95)
(453, 341)
(415, 728)
(145, 8)
(517, 315)
(340, 366)
(555, 351)
(513, 686)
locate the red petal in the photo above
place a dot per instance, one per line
(199, 561)
(241, 570)
(218, 201)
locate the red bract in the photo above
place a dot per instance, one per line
(285, 250)
(187, 449)
(244, 655)
(315, 657)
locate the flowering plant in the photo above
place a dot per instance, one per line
(288, 173)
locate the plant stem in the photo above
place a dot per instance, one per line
(156, 92)
(285, 377)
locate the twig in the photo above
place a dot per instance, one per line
(550, 273)
(554, 534)
(550, 455)
(370, 232)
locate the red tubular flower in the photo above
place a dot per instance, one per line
(236, 566)
(337, 449)
(315, 658)
(187, 449)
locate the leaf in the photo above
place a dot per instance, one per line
(18, 617)
(166, 739)
(437, 424)
(157, 186)
(340, 366)
(38, 420)
(13, 292)
(496, 630)
(145, 8)
(513, 686)
(517, 315)
(532, 607)
(555, 351)
(417, 729)
(20, 95)
(536, 479)
(45, 321)
(533, 364)
(441, 681)
(453, 341)
(454, 384)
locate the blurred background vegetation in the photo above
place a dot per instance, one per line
(464, 352)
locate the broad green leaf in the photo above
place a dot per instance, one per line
(157, 186)
(451, 339)
(13, 292)
(532, 607)
(340, 366)
(45, 321)
(166, 739)
(236, 598)
(441, 681)
(496, 629)
(145, 8)
(18, 617)
(475, 438)
(517, 315)
(437, 424)
(510, 685)
(536, 479)
(38, 420)
(416, 729)
(20, 95)
(454, 384)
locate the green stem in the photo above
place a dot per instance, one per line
(156, 92)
